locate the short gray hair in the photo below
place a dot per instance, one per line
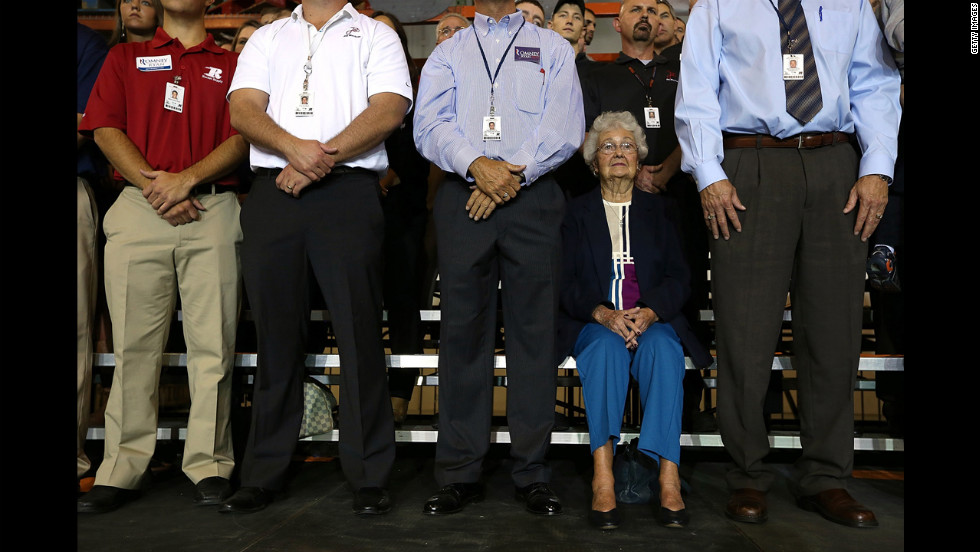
(452, 15)
(610, 120)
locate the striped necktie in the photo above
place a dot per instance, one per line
(803, 100)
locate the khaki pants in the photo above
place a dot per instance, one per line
(147, 262)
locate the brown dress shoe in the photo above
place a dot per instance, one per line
(747, 506)
(840, 507)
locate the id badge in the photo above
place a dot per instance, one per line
(652, 117)
(304, 108)
(792, 66)
(174, 98)
(491, 128)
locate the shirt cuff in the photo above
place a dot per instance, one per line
(709, 173)
(463, 159)
(531, 171)
(877, 164)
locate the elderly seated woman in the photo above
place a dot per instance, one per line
(624, 280)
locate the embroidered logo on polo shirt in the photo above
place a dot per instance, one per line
(527, 54)
(672, 76)
(350, 32)
(213, 74)
(154, 63)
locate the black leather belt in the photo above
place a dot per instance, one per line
(203, 189)
(800, 141)
(338, 169)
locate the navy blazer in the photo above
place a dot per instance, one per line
(661, 271)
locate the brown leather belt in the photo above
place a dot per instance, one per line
(800, 141)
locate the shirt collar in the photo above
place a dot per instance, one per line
(624, 59)
(481, 23)
(347, 10)
(161, 39)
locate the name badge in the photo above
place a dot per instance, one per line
(174, 98)
(652, 116)
(154, 63)
(491, 128)
(522, 53)
(304, 108)
(792, 66)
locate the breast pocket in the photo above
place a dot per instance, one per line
(528, 87)
(835, 30)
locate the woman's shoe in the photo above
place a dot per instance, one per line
(670, 518)
(605, 520)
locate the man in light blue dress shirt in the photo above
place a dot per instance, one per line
(498, 218)
(795, 197)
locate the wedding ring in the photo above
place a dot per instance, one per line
(711, 217)
(506, 196)
(879, 216)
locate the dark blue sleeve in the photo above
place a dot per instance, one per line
(92, 50)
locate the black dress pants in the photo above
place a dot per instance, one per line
(520, 242)
(336, 226)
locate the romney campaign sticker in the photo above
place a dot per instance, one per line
(154, 63)
(527, 54)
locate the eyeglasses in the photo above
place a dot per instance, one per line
(609, 148)
(450, 31)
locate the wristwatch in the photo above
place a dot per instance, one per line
(887, 180)
(523, 179)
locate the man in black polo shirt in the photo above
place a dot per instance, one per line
(644, 83)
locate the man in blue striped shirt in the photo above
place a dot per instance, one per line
(522, 79)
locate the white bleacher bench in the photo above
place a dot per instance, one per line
(317, 363)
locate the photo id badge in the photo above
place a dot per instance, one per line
(174, 98)
(792, 66)
(305, 106)
(491, 128)
(652, 116)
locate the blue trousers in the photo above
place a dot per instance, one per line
(605, 366)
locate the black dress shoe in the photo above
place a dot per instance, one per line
(371, 501)
(247, 500)
(538, 498)
(451, 498)
(212, 491)
(605, 520)
(670, 518)
(102, 499)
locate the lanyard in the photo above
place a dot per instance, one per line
(308, 66)
(499, 65)
(782, 23)
(648, 89)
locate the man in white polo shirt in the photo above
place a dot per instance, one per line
(315, 95)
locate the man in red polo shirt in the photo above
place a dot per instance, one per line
(159, 114)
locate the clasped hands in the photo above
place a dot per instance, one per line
(169, 193)
(628, 324)
(496, 183)
(309, 161)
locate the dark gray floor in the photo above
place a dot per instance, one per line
(316, 514)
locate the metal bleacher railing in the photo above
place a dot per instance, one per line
(318, 363)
